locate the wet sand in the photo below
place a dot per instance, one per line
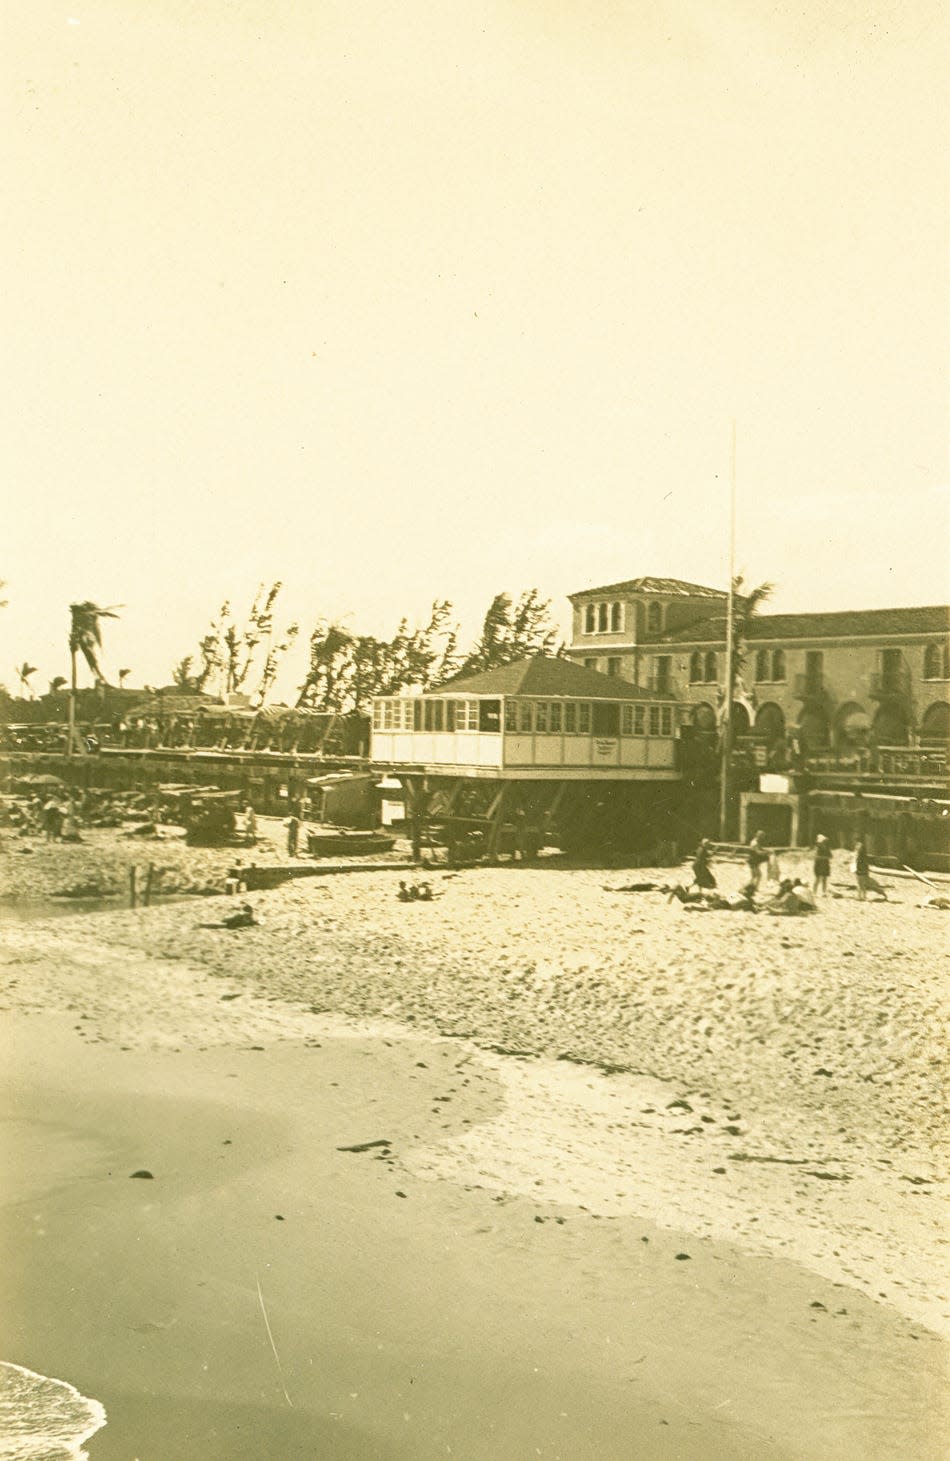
(524, 1296)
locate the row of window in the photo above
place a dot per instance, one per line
(703, 667)
(607, 618)
(603, 618)
(770, 665)
(523, 717)
(937, 662)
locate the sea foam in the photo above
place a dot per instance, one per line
(43, 1419)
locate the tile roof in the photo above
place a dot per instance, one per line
(674, 587)
(545, 675)
(845, 624)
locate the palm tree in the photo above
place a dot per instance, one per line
(23, 674)
(56, 684)
(85, 638)
(123, 676)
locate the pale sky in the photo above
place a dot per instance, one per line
(437, 298)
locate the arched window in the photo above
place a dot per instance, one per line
(712, 667)
(778, 664)
(654, 618)
(695, 667)
(602, 618)
(935, 662)
(616, 618)
(762, 664)
(590, 619)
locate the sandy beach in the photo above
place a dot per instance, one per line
(633, 1181)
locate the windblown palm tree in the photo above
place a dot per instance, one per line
(85, 638)
(23, 674)
(56, 684)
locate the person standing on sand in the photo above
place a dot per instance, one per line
(250, 825)
(703, 875)
(862, 869)
(822, 864)
(757, 857)
(293, 835)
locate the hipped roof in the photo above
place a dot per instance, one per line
(544, 675)
(671, 587)
(845, 624)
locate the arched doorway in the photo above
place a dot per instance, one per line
(741, 725)
(814, 731)
(935, 725)
(704, 717)
(770, 722)
(852, 724)
(890, 726)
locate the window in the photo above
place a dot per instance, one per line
(556, 709)
(570, 718)
(387, 715)
(541, 717)
(778, 664)
(613, 666)
(450, 715)
(583, 717)
(489, 715)
(661, 679)
(666, 720)
(762, 664)
(602, 618)
(654, 720)
(937, 662)
(511, 715)
(654, 618)
(606, 718)
(429, 714)
(626, 720)
(590, 664)
(407, 707)
(417, 714)
(590, 618)
(377, 715)
(438, 715)
(711, 668)
(616, 618)
(639, 720)
(525, 716)
(695, 667)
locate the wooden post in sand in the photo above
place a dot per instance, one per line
(149, 871)
(726, 727)
(132, 886)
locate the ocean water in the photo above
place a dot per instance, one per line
(43, 1419)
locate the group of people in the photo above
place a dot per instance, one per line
(792, 895)
(414, 892)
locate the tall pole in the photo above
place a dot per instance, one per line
(71, 734)
(726, 733)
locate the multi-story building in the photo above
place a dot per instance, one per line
(878, 676)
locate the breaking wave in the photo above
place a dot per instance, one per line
(43, 1419)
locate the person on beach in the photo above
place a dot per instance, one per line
(821, 867)
(52, 820)
(245, 917)
(293, 835)
(792, 898)
(756, 856)
(703, 876)
(861, 867)
(250, 825)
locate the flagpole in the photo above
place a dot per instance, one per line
(726, 734)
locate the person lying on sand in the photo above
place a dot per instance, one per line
(935, 901)
(695, 900)
(637, 888)
(244, 917)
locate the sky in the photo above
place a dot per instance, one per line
(395, 302)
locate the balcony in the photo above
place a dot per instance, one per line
(891, 684)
